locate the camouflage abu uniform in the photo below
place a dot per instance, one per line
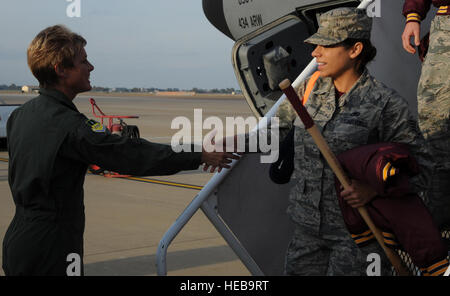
(433, 95)
(368, 113)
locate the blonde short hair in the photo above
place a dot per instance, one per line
(55, 45)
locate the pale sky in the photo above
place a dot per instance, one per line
(131, 43)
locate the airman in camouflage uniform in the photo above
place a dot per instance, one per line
(433, 95)
(368, 113)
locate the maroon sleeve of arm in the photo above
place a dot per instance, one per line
(420, 7)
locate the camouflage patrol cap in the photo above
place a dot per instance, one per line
(341, 23)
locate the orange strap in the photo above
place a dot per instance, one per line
(310, 86)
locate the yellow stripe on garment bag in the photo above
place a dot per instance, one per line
(438, 273)
(388, 234)
(389, 239)
(392, 172)
(385, 171)
(390, 242)
(439, 270)
(364, 239)
(361, 234)
(440, 264)
(424, 272)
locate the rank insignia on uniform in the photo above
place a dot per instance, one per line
(96, 126)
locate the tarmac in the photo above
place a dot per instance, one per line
(126, 219)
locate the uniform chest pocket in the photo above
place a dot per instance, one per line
(355, 134)
(347, 133)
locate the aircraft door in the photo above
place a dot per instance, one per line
(267, 56)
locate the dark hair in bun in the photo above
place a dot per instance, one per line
(367, 55)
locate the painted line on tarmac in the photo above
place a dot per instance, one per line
(153, 181)
(167, 183)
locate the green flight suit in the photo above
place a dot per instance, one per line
(51, 145)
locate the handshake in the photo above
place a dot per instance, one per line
(212, 157)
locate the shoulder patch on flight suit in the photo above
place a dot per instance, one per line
(96, 126)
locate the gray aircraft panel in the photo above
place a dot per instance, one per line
(254, 208)
(239, 14)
